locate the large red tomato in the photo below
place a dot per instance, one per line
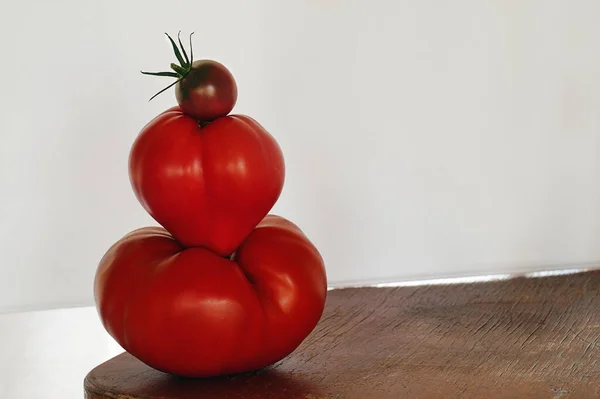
(193, 313)
(208, 185)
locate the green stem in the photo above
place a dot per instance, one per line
(181, 70)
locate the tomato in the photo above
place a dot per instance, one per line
(193, 313)
(207, 91)
(221, 286)
(208, 186)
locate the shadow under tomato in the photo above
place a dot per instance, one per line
(266, 383)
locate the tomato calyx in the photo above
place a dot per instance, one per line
(181, 70)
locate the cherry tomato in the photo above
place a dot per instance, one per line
(207, 92)
(205, 89)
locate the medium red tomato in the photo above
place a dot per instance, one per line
(208, 186)
(193, 313)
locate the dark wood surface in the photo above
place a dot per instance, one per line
(521, 338)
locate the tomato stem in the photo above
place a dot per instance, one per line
(182, 69)
(177, 52)
(166, 88)
(179, 70)
(187, 61)
(170, 74)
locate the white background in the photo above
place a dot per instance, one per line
(48, 353)
(422, 138)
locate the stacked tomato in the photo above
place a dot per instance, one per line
(222, 287)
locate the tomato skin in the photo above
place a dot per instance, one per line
(207, 92)
(192, 313)
(208, 186)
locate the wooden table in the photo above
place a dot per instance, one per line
(521, 338)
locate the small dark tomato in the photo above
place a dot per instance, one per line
(207, 92)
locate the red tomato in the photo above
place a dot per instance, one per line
(208, 186)
(193, 313)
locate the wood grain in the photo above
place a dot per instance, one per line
(520, 338)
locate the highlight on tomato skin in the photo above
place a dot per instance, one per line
(204, 89)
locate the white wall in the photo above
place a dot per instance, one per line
(422, 138)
